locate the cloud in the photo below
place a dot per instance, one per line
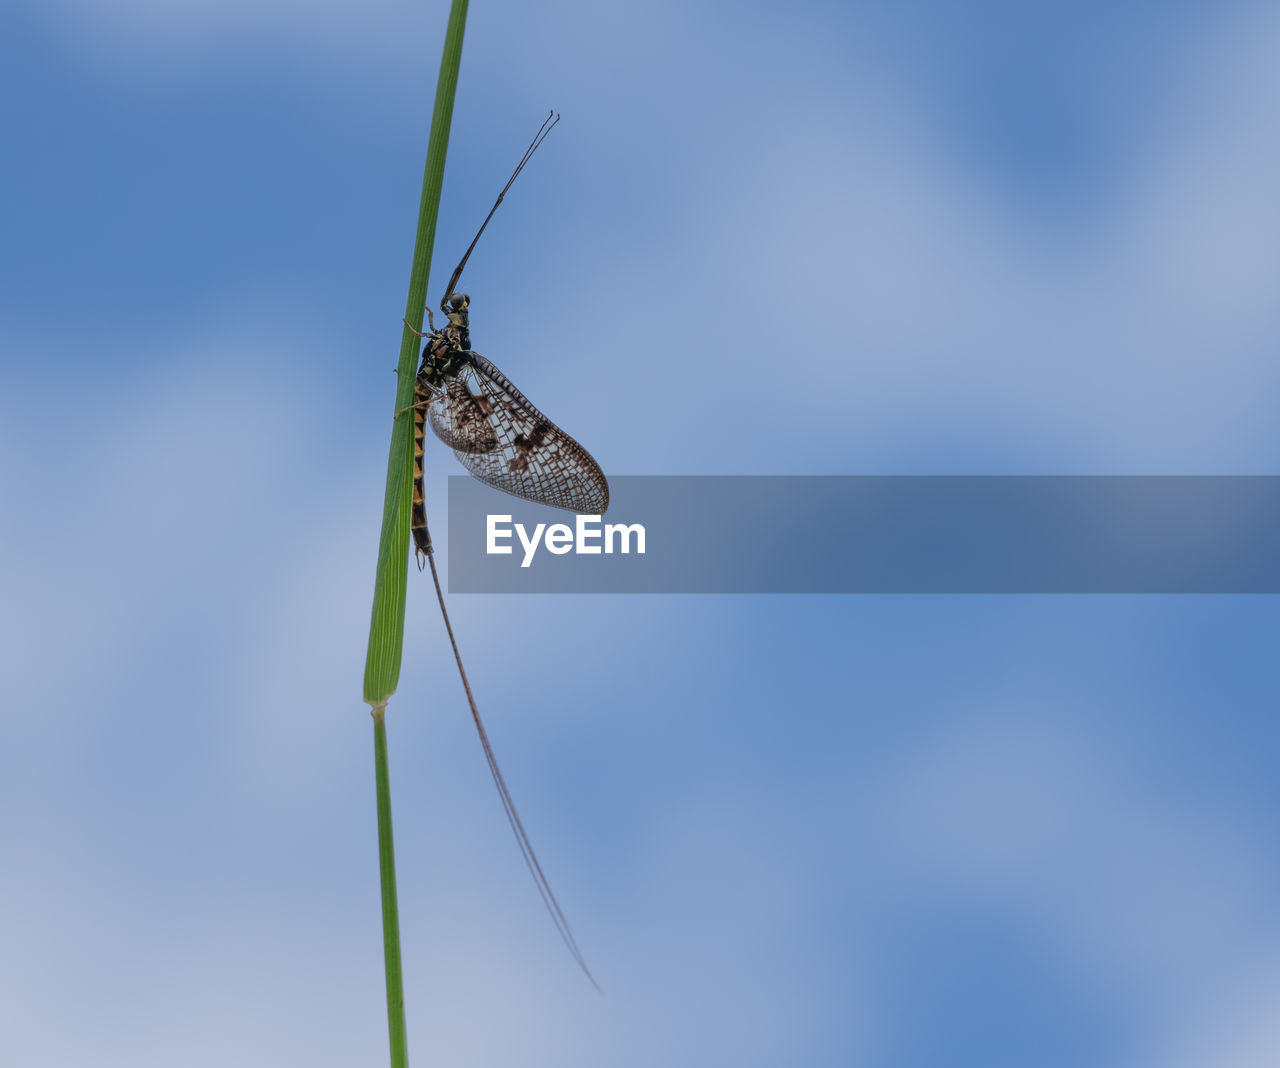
(1151, 894)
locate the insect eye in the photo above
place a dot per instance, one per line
(460, 301)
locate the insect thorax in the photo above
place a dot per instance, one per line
(444, 357)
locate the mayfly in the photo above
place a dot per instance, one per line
(502, 439)
(492, 428)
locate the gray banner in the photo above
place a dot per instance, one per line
(868, 534)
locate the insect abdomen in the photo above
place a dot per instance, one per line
(418, 521)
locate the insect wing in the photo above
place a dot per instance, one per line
(532, 457)
(460, 419)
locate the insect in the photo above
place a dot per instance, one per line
(505, 441)
(493, 428)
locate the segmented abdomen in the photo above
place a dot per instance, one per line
(418, 522)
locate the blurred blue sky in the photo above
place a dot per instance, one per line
(812, 238)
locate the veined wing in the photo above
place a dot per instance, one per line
(461, 419)
(530, 456)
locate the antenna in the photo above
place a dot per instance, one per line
(547, 125)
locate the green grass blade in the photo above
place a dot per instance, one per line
(386, 628)
(390, 906)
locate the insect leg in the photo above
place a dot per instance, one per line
(421, 404)
(431, 326)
